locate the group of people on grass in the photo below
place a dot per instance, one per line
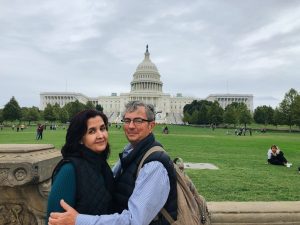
(86, 191)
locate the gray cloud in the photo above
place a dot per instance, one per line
(200, 47)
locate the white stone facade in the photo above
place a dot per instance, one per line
(145, 86)
(227, 99)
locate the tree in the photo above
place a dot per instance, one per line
(194, 117)
(278, 117)
(30, 114)
(296, 111)
(188, 110)
(197, 112)
(49, 113)
(230, 115)
(193, 106)
(73, 108)
(237, 112)
(215, 113)
(24, 112)
(203, 112)
(1, 116)
(263, 115)
(245, 116)
(63, 115)
(285, 107)
(186, 117)
(12, 110)
(99, 108)
(90, 105)
(56, 110)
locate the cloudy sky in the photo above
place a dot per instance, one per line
(200, 47)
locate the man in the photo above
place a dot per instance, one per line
(138, 198)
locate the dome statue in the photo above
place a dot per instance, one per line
(146, 77)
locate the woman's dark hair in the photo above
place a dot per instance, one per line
(78, 128)
(274, 146)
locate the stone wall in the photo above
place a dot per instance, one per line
(258, 213)
(25, 181)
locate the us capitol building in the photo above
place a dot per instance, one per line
(147, 87)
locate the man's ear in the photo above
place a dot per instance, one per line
(152, 125)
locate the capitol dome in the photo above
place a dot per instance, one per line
(146, 77)
(147, 64)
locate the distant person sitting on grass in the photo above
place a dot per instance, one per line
(276, 157)
(166, 130)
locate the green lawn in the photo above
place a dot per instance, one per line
(243, 174)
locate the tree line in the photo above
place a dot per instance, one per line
(201, 112)
(13, 112)
(205, 112)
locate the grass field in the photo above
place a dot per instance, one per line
(243, 174)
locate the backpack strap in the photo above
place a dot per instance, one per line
(149, 152)
(167, 216)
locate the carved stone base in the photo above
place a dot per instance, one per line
(25, 181)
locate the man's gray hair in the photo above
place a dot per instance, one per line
(133, 105)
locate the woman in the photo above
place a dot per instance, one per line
(83, 178)
(276, 157)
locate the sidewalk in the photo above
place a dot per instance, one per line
(255, 213)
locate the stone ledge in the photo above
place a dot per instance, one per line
(22, 164)
(20, 148)
(255, 213)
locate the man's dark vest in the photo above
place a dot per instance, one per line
(92, 194)
(125, 179)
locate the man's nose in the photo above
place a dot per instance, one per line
(131, 124)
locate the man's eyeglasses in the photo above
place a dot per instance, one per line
(136, 121)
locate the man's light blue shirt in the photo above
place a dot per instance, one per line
(151, 191)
